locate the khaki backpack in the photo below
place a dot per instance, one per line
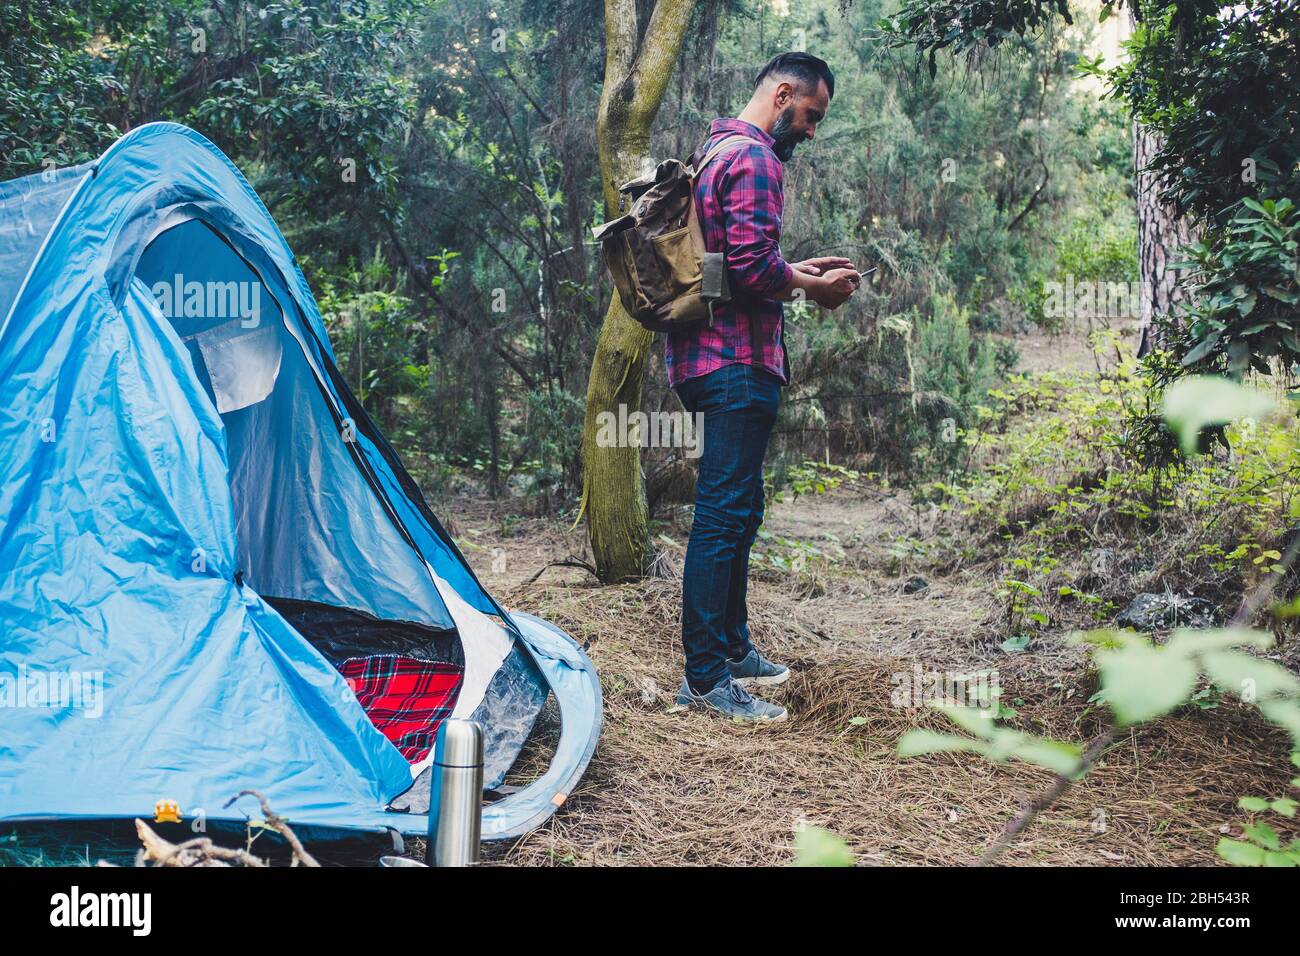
(665, 278)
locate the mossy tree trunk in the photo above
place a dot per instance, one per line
(638, 66)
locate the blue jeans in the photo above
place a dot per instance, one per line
(739, 404)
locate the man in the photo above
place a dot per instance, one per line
(732, 372)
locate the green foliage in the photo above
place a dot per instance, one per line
(297, 87)
(368, 323)
(1244, 313)
(814, 846)
(1100, 246)
(992, 742)
(792, 555)
(954, 371)
(1141, 679)
(958, 197)
(1193, 404)
(934, 25)
(1052, 471)
(1263, 846)
(1218, 83)
(56, 91)
(953, 189)
(548, 436)
(811, 477)
(1220, 86)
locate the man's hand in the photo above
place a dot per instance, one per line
(824, 280)
(832, 289)
(819, 265)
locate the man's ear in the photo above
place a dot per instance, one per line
(784, 94)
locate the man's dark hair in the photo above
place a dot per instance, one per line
(804, 67)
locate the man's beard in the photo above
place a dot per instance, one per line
(786, 138)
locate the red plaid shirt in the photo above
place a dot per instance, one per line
(739, 198)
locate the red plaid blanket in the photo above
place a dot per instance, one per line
(405, 697)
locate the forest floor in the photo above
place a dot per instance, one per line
(667, 786)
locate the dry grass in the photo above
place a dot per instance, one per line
(684, 788)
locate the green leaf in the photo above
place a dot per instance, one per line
(1239, 853)
(1285, 806)
(1202, 349)
(1263, 834)
(1248, 676)
(1059, 757)
(917, 742)
(1199, 401)
(1017, 644)
(1187, 641)
(1142, 682)
(1253, 804)
(814, 846)
(975, 720)
(1284, 713)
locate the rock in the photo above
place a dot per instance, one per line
(914, 584)
(1163, 612)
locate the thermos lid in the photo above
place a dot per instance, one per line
(460, 744)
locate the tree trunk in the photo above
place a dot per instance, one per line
(1161, 232)
(638, 66)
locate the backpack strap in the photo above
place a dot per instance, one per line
(718, 147)
(697, 234)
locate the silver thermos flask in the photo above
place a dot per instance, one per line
(456, 794)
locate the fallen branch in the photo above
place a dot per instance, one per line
(197, 852)
(279, 825)
(567, 563)
(1030, 812)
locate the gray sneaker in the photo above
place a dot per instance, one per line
(731, 700)
(754, 668)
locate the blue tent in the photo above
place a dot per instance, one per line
(215, 573)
